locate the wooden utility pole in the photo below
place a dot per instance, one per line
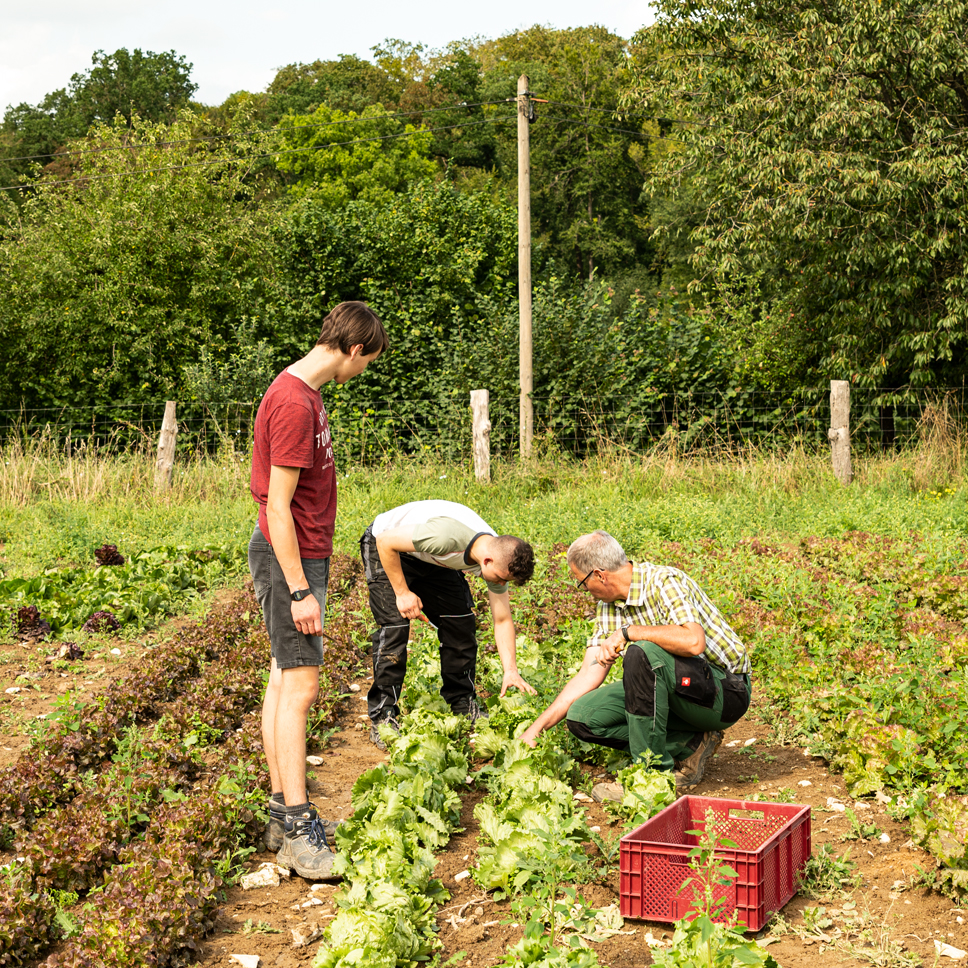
(524, 267)
(480, 400)
(839, 433)
(166, 448)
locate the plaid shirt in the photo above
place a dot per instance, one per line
(660, 595)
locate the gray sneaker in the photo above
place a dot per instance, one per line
(304, 849)
(375, 737)
(470, 708)
(276, 828)
(690, 771)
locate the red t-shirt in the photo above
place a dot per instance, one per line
(292, 430)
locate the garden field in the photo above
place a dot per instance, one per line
(131, 782)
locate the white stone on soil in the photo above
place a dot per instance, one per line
(305, 934)
(949, 951)
(268, 875)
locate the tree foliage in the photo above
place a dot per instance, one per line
(825, 145)
(342, 157)
(349, 83)
(152, 86)
(586, 187)
(113, 282)
(424, 259)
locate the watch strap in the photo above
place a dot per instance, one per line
(625, 633)
(299, 594)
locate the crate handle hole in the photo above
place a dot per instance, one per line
(747, 814)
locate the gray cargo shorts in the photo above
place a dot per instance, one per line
(290, 647)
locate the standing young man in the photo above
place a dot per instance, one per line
(294, 482)
(415, 557)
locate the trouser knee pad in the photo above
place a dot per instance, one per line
(638, 678)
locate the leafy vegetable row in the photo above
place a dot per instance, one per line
(860, 644)
(83, 734)
(405, 810)
(147, 584)
(127, 838)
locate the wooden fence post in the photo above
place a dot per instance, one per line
(166, 447)
(480, 400)
(839, 433)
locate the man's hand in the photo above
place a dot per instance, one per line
(611, 649)
(529, 737)
(514, 680)
(409, 605)
(306, 616)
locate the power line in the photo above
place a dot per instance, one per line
(580, 122)
(588, 107)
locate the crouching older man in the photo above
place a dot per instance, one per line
(685, 675)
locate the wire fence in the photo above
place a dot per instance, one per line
(375, 430)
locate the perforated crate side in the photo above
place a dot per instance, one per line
(655, 876)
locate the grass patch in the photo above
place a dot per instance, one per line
(55, 509)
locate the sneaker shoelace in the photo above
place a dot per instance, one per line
(473, 710)
(315, 833)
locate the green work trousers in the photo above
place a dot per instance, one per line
(662, 704)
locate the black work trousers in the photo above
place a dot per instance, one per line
(447, 603)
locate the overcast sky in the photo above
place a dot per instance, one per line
(239, 45)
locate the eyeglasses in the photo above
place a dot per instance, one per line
(581, 584)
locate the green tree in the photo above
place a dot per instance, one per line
(826, 144)
(153, 86)
(349, 83)
(586, 187)
(426, 260)
(339, 157)
(464, 137)
(110, 284)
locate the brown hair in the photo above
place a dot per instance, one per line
(519, 560)
(351, 324)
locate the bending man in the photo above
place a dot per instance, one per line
(415, 557)
(685, 675)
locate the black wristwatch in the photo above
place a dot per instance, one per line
(625, 633)
(299, 594)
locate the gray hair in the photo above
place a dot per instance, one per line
(598, 550)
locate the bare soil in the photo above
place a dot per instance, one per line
(479, 930)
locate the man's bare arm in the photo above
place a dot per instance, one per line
(505, 638)
(590, 676)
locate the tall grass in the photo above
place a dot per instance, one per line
(56, 506)
(40, 468)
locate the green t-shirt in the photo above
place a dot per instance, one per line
(442, 534)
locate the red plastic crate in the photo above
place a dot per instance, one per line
(774, 844)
